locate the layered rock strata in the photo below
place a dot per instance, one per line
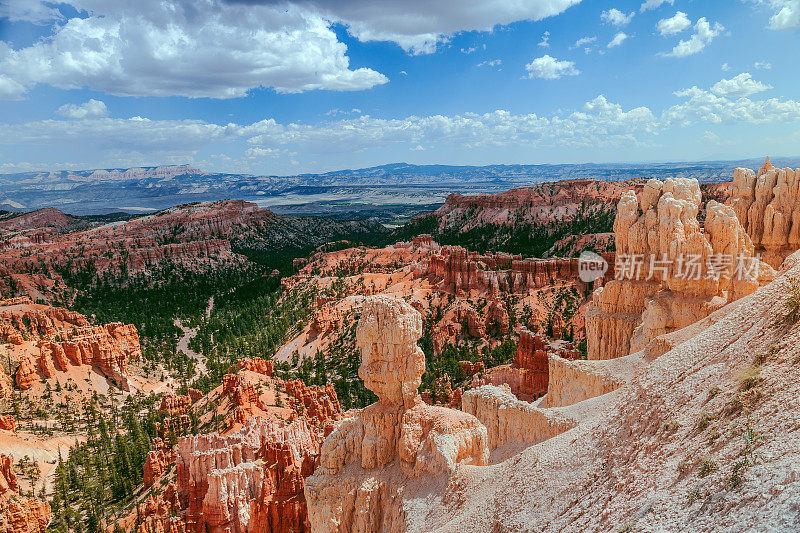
(254, 364)
(252, 480)
(56, 339)
(319, 403)
(399, 435)
(7, 422)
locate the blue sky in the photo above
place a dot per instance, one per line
(283, 87)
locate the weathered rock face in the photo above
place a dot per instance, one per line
(464, 271)
(19, 514)
(175, 404)
(398, 433)
(320, 404)
(528, 377)
(767, 205)
(670, 271)
(158, 460)
(244, 396)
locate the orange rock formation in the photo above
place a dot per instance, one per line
(766, 204)
(528, 376)
(254, 364)
(19, 514)
(7, 422)
(319, 404)
(252, 480)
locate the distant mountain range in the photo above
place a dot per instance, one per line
(401, 189)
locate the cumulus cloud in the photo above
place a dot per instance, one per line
(654, 4)
(705, 106)
(92, 108)
(763, 65)
(704, 33)
(617, 40)
(583, 41)
(155, 48)
(674, 24)
(725, 67)
(418, 26)
(550, 68)
(597, 123)
(741, 85)
(616, 17)
(786, 14)
(32, 11)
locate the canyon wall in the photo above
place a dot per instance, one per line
(251, 480)
(528, 376)
(108, 348)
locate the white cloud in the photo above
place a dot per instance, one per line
(545, 42)
(256, 152)
(91, 109)
(225, 48)
(155, 48)
(704, 33)
(490, 63)
(741, 85)
(786, 16)
(469, 50)
(598, 123)
(725, 67)
(763, 65)
(616, 17)
(674, 24)
(583, 41)
(617, 40)
(32, 11)
(550, 68)
(418, 26)
(705, 106)
(654, 4)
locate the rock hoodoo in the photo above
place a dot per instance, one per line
(399, 437)
(767, 205)
(251, 480)
(670, 270)
(320, 404)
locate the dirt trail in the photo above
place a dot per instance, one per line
(188, 335)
